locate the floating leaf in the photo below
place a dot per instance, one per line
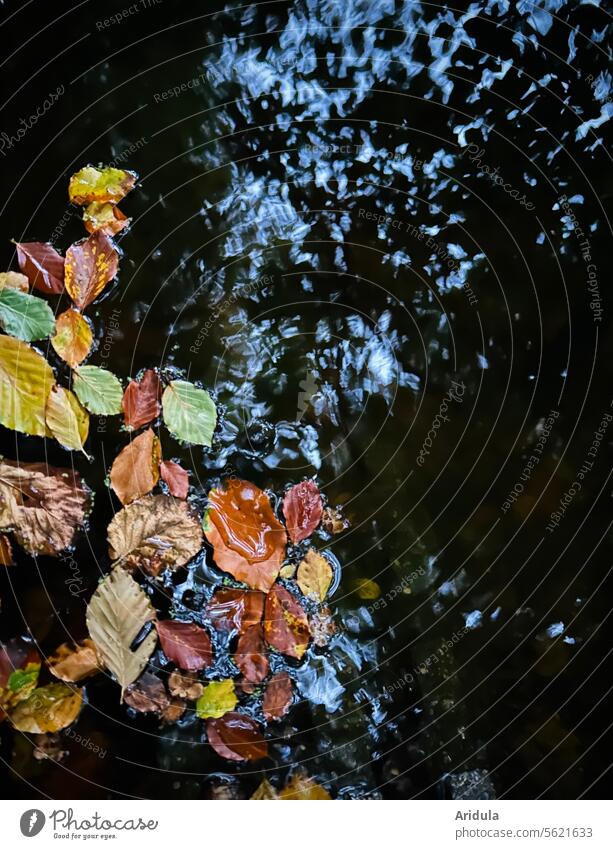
(314, 575)
(141, 400)
(25, 382)
(302, 508)
(98, 390)
(73, 337)
(136, 468)
(6, 551)
(186, 644)
(154, 533)
(189, 412)
(42, 265)
(147, 695)
(47, 709)
(185, 685)
(106, 217)
(265, 792)
(333, 521)
(277, 696)
(90, 265)
(235, 610)
(66, 419)
(236, 738)
(217, 699)
(115, 616)
(303, 788)
(14, 280)
(100, 184)
(175, 478)
(286, 626)
(42, 505)
(73, 663)
(247, 538)
(251, 657)
(19, 670)
(366, 589)
(24, 316)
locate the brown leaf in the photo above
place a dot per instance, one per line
(303, 788)
(42, 265)
(302, 508)
(141, 400)
(247, 538)
(278, 696)
(185, 685)
(251, 656)
(73, 663)
(6, 551)
(265, 792)
(49, 708)
(174, 711)
(236, 738)
(135, 470)
(235, 610)
(90, 265)
(154, 533)
(14, 280)
(285, 623)
(175, 478)
(42, 505)
(147, 695)
(333, 521)
(314, 575)
(186, 644)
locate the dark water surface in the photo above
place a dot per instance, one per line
(317, 237)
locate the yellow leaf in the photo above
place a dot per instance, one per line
(366, 589)
(303, 788)
(26, 379)
(66, 419)
(314, 575)
(104, 216)
(217, 699)
(265, 791)
(47, 709)
(14, 280)
(100, 184)
(73, 337)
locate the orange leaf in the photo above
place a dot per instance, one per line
(285, 623)
(73, 663)
(175, 478)
(73, 337)
(278, 696)
(136, 468)
(235, 610)
(104, 217)
(251, 657)
(90, 265)
(302, 508)
(141, 400)
(42, 265)
(6, 551)
(236, 737)
(303, 788)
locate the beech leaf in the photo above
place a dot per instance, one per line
(186, 644)
(250, 656)
(265, 792)
(185, 685)
(100, 184)
(25, 382)
(286, 626)
(47, 709)
(189, 412)
(303, 788)
(24, 316)
(235, 610)
(6, 551)
(66, 419)
(14, 280)
(140, 401)
(277, 696)
(147, 695)
(42, 265)
(217, 699)
(106, 217)
(98, 390)
(314, 575)
(73, 663)
(135, 470)
(302, 508)
(176, 478)
(73, 337)
(236, 737)
(19, 670)
(90, 265)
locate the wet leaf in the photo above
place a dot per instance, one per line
(217, 699)
(286, 627)
(185, 685)
(100, 184)
(333, 521)
(135, 470)
(47, 709)
(235, 610)
(42, 265)
(302, 508)
(141, 400)
(250, 656)
(314, 575)
(186, 644)
(66, 419)
(6, 551)
(265, 792)
(189, 413)
(147, 695)
(303, 788)
(175, 478)
(98, 390)
(366, 589)
(42, 505)
(236, 738)
(25, 382)
(247, 538)
(24, 316)
(90, 265)
(19, 671)
(14, 280)
(278, 696)
(73, 337)
(104, 217)
(154, 533)
(73, 663)
(174, 711)
(322, 627)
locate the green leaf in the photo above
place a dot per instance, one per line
(24, 680)
(98, 390)
(189, 412)
(25, 316)
(217, 699)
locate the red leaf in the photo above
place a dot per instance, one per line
(90, 265)
(285, 623)
(141, 402)
(302, 508)
(175, 478)
(42, 265)
(186, 644)
(236, 737)
(278, 696)
(251, 657)
(235, 610)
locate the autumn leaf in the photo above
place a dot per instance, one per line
(66, 419)
(265, 792)
(43, 505)
(286, 626)
(19, 670)
(135, 470)
(147, 695)
(6, 551)
(176, 478)
(140, 402)
(314, 575)
(115, 616)
(14, 280)
(25, 382)
(42, 265)
(250, 656)
(366, 589)
(47, 709)
(98, 390)
(247, 538)
(24, 316)
(303, 788)
(186, 644)
(277, 696)
(333, 521)
(73, 663)
(100, 184)
(104, 217)
(185, 685)
(217, 699)
(236, 738)
(302, 508)
(73, 337)
(90, 265)
(154, 533)
(235, 610)
(189, 413)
